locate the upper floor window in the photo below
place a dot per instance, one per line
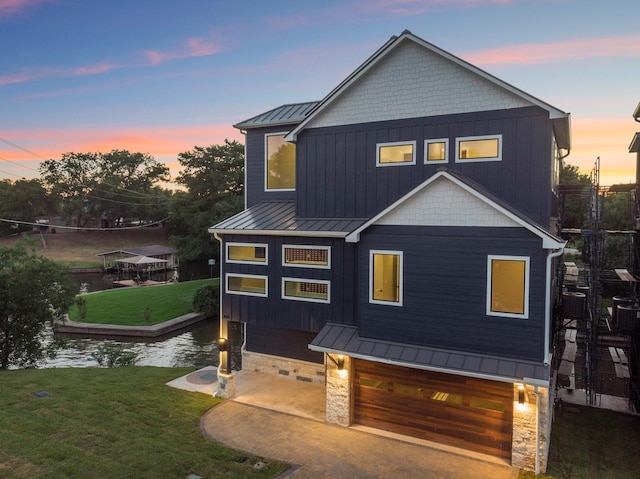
(280, 163)
(313, 290)
(385, 277)
(436, 151)
(479, 148)
(306, 256)
(247, 253)
(396, 153)
(246, 284)
(508, 286)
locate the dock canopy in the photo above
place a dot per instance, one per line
(141, 260)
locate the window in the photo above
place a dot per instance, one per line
(385, 277)
(280, 163)
(436, 151)
(246, 253)
(246, 284)
(508, 286)
(316, 291)
(397, 153)
(479, 148)
(306, 256)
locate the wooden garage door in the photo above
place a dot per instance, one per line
(464, 412)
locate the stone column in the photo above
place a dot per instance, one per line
(226, 386)
(338, 392)
(531, 429)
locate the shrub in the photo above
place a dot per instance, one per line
(207, 300)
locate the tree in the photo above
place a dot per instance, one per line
(214, 179)
(112, 187)
(34, 291)
(575, 213)
(22, 200)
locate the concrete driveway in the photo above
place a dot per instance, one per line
(262, 421)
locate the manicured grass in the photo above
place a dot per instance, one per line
(111, 423)
(126, 306)
(591, 443)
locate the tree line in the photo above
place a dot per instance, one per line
(120, 189)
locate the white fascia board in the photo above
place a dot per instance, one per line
(306, 234)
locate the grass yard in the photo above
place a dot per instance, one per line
(112, 424)
(126, 306)
(588, 443)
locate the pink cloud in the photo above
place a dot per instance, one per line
(93, 69)
(14, 7)
(539, 53)
(195, 47)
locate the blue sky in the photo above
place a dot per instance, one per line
(163, 76)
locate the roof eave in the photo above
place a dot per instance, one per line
(634, 147)
(312, 234)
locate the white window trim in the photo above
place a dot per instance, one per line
(266, 159)
(238, 261)
(299, 246)
(474, 138)
(246, 293)
(527, 281)
(396, 143)
(426, 151)
(401, 293)
(307, 280)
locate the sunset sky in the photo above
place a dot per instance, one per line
(162, 76)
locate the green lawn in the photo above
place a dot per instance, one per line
(589, 443)
(126, 306)
(111, 423)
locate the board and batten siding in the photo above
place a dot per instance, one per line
(445, 290)
(337, 174)
(273, 311)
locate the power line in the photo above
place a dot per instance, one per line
(79, 228)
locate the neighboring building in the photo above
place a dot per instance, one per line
(397, 245)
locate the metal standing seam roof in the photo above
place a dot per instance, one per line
(143, 250)
(279, 217)
(289, 114)
(344, 339)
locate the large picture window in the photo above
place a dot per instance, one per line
(508, 286)
(396, 153)
(247, 253)
(306, 256)
(246, 284)
(280, 163)
(313, 290)
(479, 148)
(385, 277)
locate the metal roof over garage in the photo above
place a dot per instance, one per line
(344, 339)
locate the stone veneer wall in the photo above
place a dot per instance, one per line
(524, 429)
(294, 369)
(338, 394)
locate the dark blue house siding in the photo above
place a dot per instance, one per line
(255, 167)
(445, 287)
(276, 312)
(282, 342)
(337, 174)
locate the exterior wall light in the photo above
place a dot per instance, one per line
(342, 372)
(521, 394)
(222, 344)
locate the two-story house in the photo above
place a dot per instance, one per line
(397, 246)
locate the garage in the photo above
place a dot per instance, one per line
(469, 413)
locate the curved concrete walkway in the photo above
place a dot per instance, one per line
(318, 450)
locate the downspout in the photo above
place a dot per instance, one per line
(535, 390)
(547, 309)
